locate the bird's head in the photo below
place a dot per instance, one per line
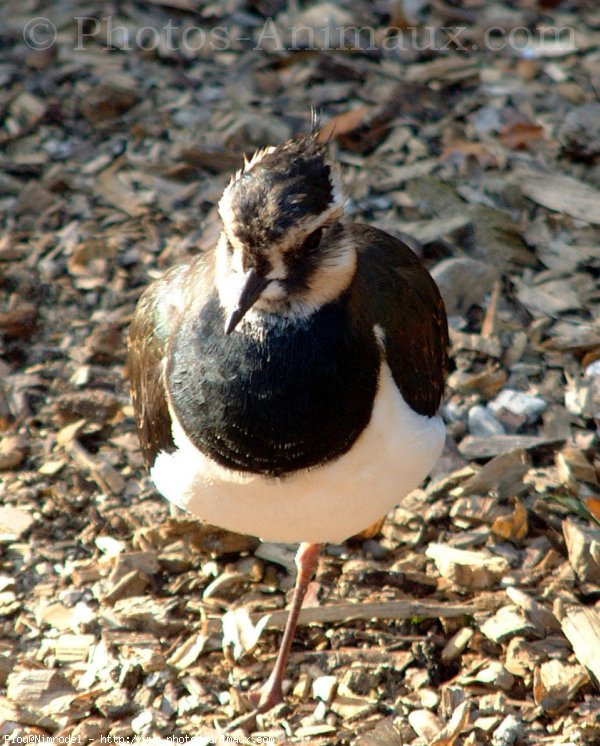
(282, 249)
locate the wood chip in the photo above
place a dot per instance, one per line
(475, 510)
(131, 584)
(503, 475)
(314, 731)
(91, 404)
(13, 449)
(240, 634)
(108, 101)
(456, 644)
(57, 615)
(384, 733)
(474, 570)
(507, 622)
(375, 610)
(187, 654)
(452, 730)
(573, 467)
(52, 468)
(141, 612)
(325, 688)
(14, 523)
(581, 626)
(36, 686)
(425, 724)
(493, 673)
(71, 648)
(105, 475)
(564, 194)
(477, 447)
(550, 298)
(543, 619)
(583, 545)
(463, 282)
(556, 683)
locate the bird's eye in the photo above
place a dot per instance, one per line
(312, 241)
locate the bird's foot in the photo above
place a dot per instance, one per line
(266, 697)
(261, 700)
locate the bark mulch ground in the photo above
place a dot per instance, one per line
(470, 129)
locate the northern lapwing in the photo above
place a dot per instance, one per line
(286, 384)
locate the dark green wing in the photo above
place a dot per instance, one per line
(156, 314)
(409, 308)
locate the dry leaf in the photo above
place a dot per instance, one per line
(520, 135)
(344, 123)
(461, 150)
(593, 505)
(514, 528)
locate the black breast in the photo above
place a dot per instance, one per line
(293, 397)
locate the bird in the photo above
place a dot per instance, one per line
(287, 383)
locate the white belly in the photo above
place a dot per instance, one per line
(325, 504)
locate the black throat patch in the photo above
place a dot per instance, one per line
(291, 397)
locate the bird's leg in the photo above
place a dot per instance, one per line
(270, 694)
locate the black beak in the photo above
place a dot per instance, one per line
(254, 284)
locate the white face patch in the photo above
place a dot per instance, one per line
(228, 216)
(279, 271)
(333, 275)
(229, 282)
(237, 261)
(274, 291)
